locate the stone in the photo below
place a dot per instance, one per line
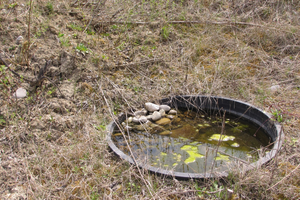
(143, 119)
(19, 40)
(165, 107)
(149, 117)
(156, 116)
(165, 133)
(171, 116)
(140, 112)
(151, 107)
(172, 112)
(154, 128)
(275, 88)
(129, 120)
(163, 121)
(139, 119)
(20, 93)
(135, 120)
(162, 112)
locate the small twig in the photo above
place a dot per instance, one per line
(118, 11)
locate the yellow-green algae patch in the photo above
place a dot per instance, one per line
(235, 145)
(163, 154)
(189, 147)
(177, 157)
(217, 137)
(192, 151)
(222, 157)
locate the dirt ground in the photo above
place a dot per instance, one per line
(108, 57)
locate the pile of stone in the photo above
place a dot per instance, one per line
(151, 117)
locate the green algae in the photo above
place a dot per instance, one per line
(217, 137)
(222, 157)
(235, 145)
(163, 154)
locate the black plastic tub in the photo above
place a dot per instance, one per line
(212, 105)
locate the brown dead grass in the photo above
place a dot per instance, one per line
(55, 148)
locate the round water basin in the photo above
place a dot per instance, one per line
(199, 158)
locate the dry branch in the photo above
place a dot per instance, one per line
(40, 78)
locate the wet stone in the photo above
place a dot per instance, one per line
(172, 112)
(163, 121)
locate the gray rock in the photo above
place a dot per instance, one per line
(128, 128)
(162, 112)
(20, 93)
(143, 119)
(139, 119)
(151, 107)
(172, 112)
(149, 117)
(156, 116)
(275, 88)
(135, 120)
(129, 120)
(142, 112)
(19, 40)
(171, 116)
(165, 107)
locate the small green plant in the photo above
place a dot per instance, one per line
(13, 5)
(75, 27)
(2, 121)
(90, 32)
(104, 57)
(60, 35)
(81, 48)
(65, 42)
(75, 36)
(121, 46)
(49, 8)
(277, 115)
(165, 33)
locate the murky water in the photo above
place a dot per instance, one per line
(189, 143)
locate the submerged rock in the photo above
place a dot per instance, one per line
(151, 107)
(163, 121)
(165, 133)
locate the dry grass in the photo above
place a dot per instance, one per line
(54, 148)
